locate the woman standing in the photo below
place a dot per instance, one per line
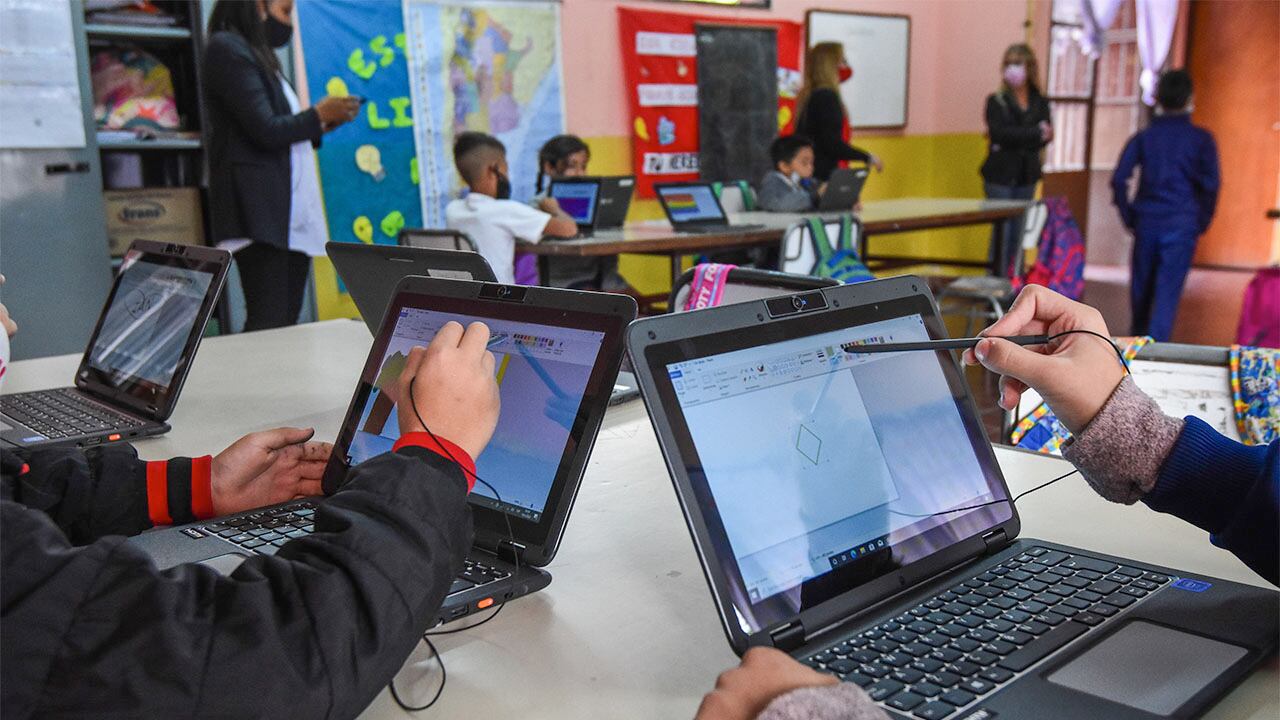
(263, 188)
(822, 113)
(1018, 126)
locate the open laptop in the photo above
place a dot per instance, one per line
(831, 494)
(615, 200)
(843, 189)
(693, 207)
(579, 197)
(558, 352)
(372, 272)
(138, 356)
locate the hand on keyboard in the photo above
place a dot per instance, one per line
(269, 467)
(764, 674)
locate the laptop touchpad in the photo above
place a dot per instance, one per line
(1148, 667)
(224, 564)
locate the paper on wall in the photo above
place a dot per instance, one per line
(40, 104)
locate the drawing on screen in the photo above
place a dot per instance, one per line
(809, 444)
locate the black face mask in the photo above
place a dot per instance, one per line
(504, 186)
(278, 34)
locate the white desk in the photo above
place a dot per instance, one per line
(627, 628)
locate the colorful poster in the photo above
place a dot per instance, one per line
(488, 66)
(659, 58)
(368, 169)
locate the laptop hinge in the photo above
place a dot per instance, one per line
(995, 540)
(510, 550)
(788, 637)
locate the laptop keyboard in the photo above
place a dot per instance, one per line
(965, 643)
(267, 531)
(64, 412)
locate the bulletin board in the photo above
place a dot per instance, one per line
(878, 48)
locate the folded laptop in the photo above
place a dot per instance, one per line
(831, 498)
(843, 189)
(693, 207)
(615, 200)
(558, 352)
(372, 272)
(138, 356)
(579, 197)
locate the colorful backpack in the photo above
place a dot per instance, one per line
(707, 287)
(839, 261)
(1059, 262)
(1260, 313)
(1255, 388)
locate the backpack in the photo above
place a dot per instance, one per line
(839, 261)
(1059, 262)
(1260, 314)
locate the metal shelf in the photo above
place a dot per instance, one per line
(137, 32)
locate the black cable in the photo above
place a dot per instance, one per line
(444, 676)
(1119, 353)
(1012, 501)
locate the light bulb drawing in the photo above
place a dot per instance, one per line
(369, 160)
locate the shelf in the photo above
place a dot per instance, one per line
(157, 144)
(137, 32)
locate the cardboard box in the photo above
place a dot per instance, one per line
(168, 215)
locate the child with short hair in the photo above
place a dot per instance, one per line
(489, 215)
(789, 187)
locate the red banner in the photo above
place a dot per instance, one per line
(660, 58)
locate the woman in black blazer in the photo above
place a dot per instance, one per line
(263, 189)
(1019, 125)
(822, 114)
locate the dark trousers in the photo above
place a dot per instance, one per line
(274, 281)
(1006, 241)
(1161, 260)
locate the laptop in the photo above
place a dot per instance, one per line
(693, 207)
(138, 356)
(843, 189)
(558, 352)
(615, 200)
(372, 272)
(831, 494)
(579, 197)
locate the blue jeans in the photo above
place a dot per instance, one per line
(1005, 243)
(1161, 260)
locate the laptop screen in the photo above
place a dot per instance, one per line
(817, 468)
(578, 199)
(690, 203)
(154, 313)
(542, 372)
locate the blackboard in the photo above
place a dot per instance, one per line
(737, 100)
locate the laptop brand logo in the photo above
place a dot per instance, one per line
(1196, 586)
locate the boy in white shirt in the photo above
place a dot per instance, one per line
(489, 215)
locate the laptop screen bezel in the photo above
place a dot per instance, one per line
(658, 342)
(142, 396)
(595, 200)
(600, 312)
(722, 220)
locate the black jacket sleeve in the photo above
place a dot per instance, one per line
(314, 631)
(826, 125)
(235, 80)
(1005, 132)
(103, 491)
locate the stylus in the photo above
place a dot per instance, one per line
(949, 344)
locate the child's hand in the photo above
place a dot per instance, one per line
(265, 468)
(550, 205)
(1075, 375)
(764, 674)
(876, 163)
(455, 390)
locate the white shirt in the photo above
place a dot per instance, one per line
(307, 229)
(496, 225)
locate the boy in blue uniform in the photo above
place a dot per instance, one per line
(1177, 192)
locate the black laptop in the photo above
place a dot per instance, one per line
(844, 188)
(558, 353)
(831, 498)
(372, 272)
(138, 355)
(693, 207)
(615, 200)
(579, 198)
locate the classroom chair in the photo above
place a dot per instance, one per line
(436, 239)
(735, 196)
(744, 284)
(985, 298)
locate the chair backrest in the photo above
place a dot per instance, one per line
(746, 284)
(798, 254)
(1033, 222)
(436, 239)
(735, 197)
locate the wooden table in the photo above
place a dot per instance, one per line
(879, 217)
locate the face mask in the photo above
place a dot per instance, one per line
(795, 178)
(844, 72)
(1015, 75)
(278, 33)
(503, 191)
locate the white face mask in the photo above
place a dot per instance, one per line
(1015, 75)
(4, 356)
(795, 177)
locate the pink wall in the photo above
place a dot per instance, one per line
(955, 54)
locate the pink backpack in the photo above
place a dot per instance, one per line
(1260, 314)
